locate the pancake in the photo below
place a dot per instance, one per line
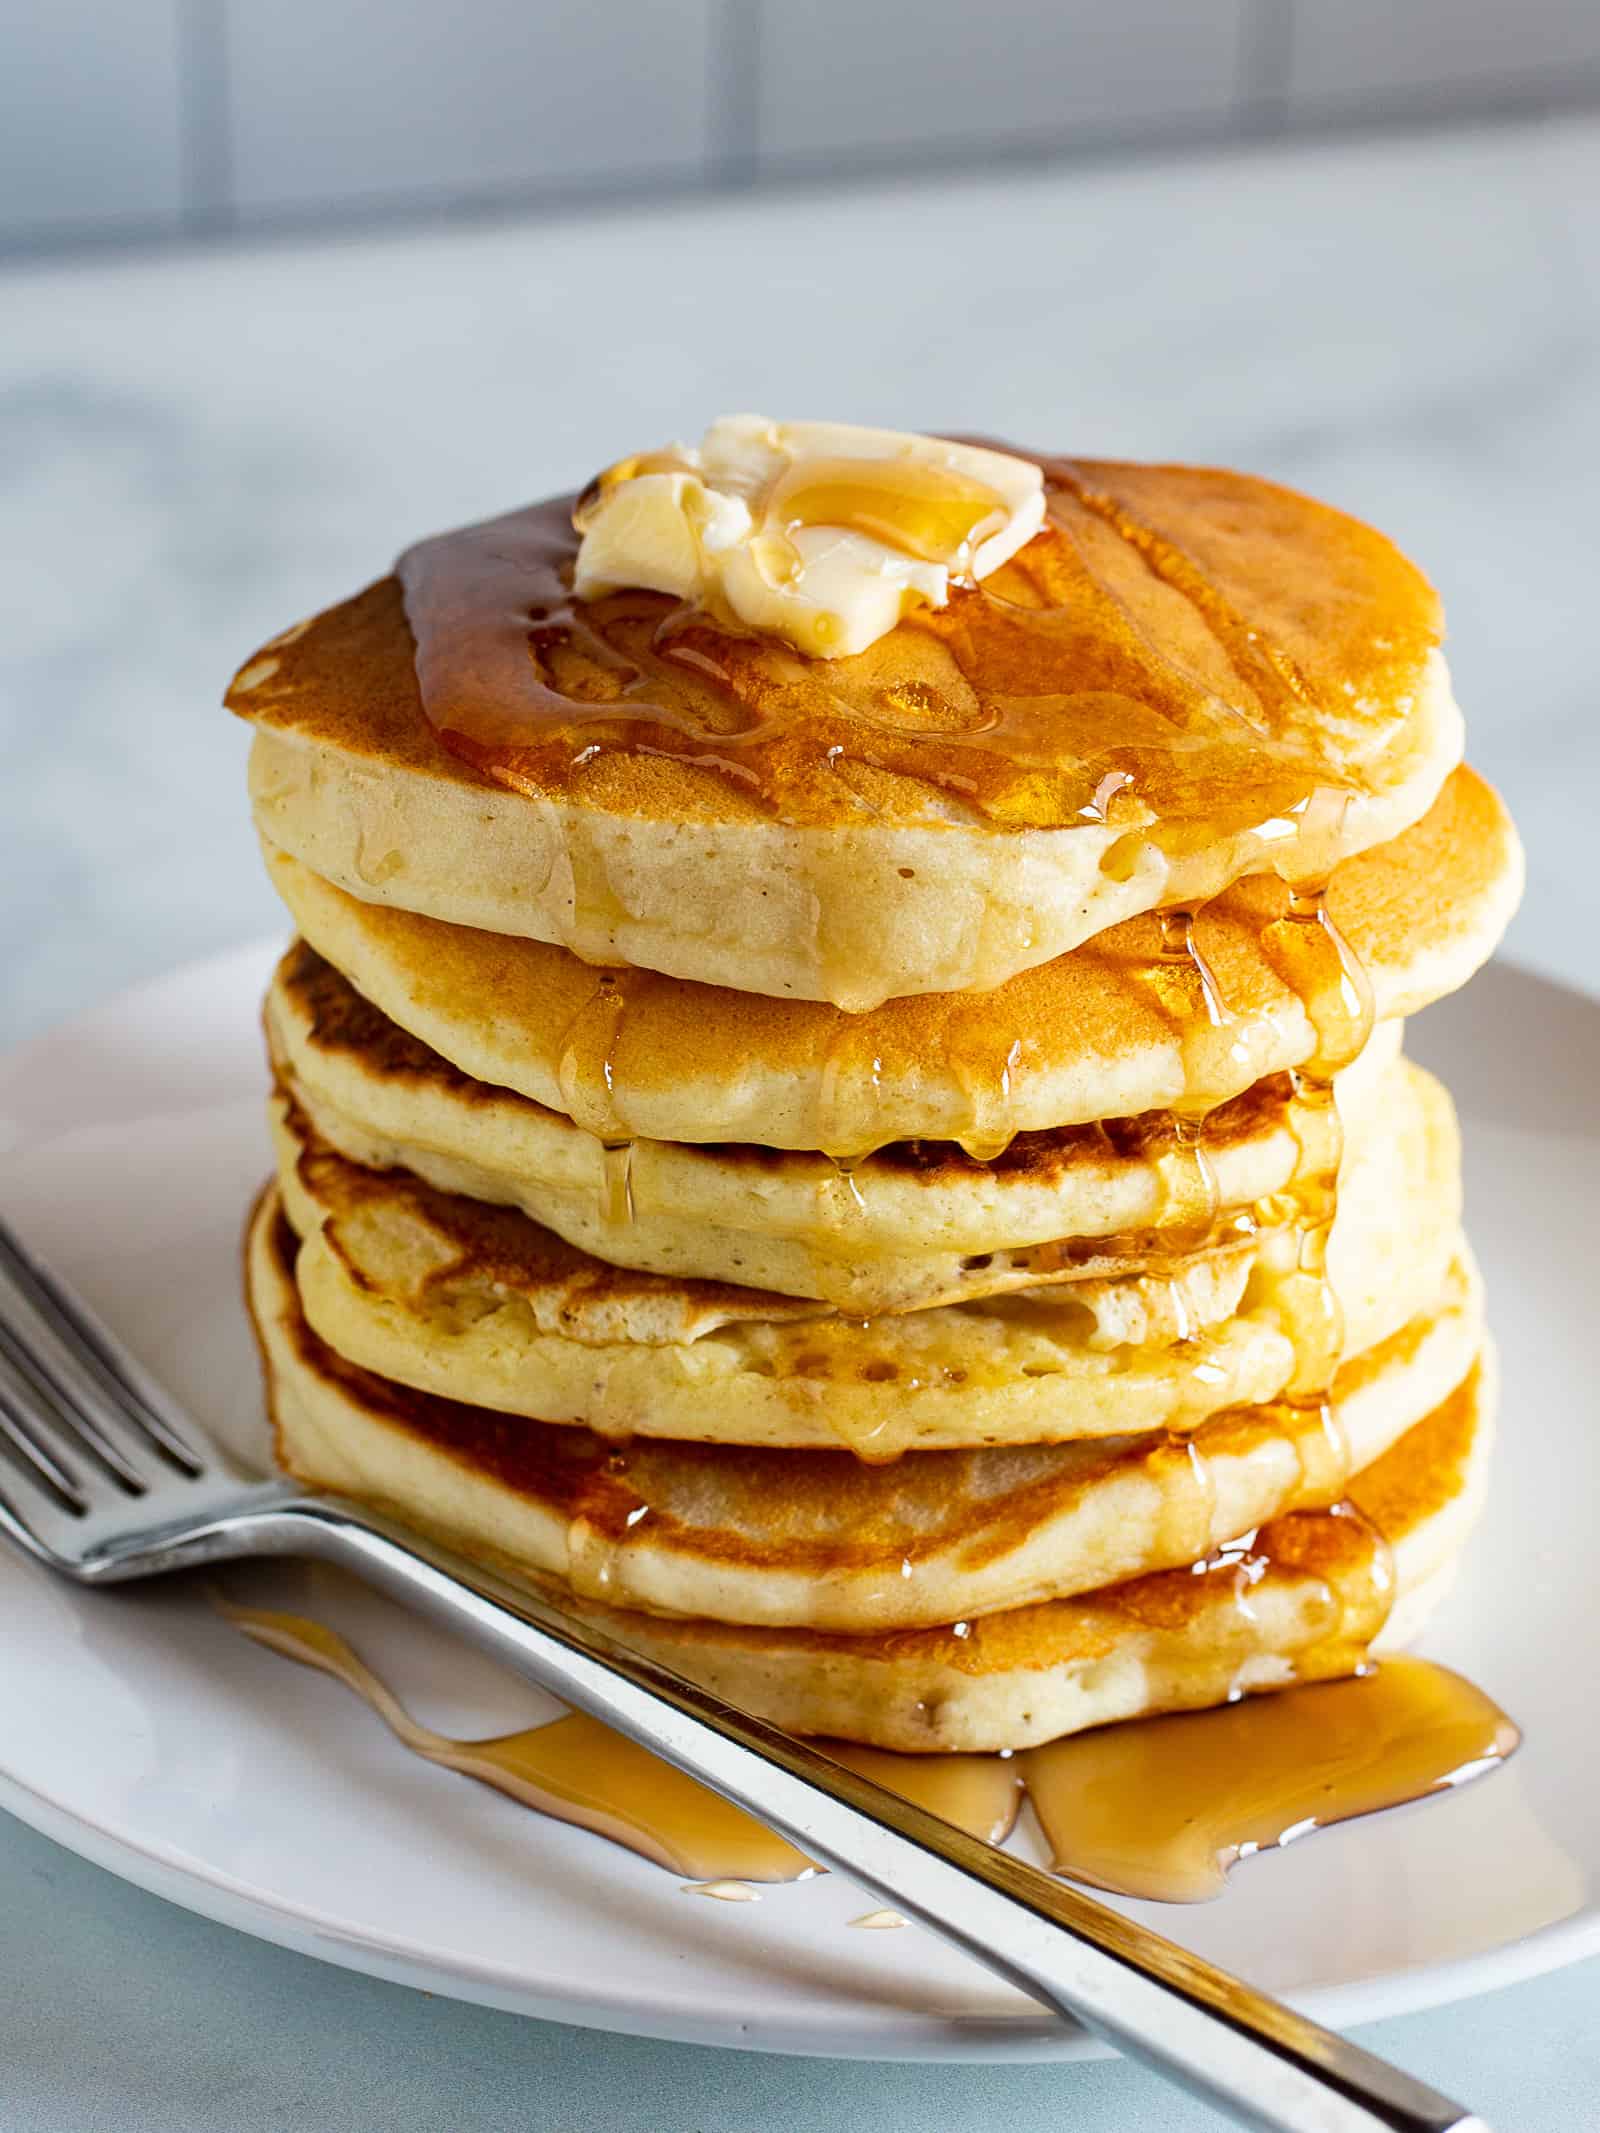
(480, 1304)
(1111, 1031)
(916, 1224)
(818, 1539)
(1136, 710)
(1305, 1601)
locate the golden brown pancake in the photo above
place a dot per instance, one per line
(1306, 1600)
(1138, 709)
(1302, 1599)
(1107, 1032)
(917, 1224)
(478, 1303)
(818, 1539)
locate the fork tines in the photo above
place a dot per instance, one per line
(66, 1387)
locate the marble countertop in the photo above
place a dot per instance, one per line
(195, 448)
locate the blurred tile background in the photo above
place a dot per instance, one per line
(160, 118)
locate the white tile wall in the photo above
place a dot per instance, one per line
(843, 78)
(357, 101)
(133, 116)
(89, 117)
(1378, 54)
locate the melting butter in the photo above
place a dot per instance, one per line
(821, 533)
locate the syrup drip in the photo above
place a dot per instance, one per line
(618, 1159)
(1318, 963)
(586, 1063)
(593, 1553)
(1050, 695)
(981, 1794)
(845, 1119)
(1158, 1807)
(1183, 1473)
(586, 1069)
(882, 1441)
(575, 1770)
(985, 1084)
(1164, 1807)
(1190, 1200)
(839, 1192)
(849, 1063)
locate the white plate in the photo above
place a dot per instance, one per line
(140, 1730)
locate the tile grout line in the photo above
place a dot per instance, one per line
(209, 213)
(1266, 54)
(734, 89)
(207, 205)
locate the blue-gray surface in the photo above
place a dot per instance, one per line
(196, 449)
(122, 2014)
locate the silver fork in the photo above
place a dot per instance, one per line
(107, 1480)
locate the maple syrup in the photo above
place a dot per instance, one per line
(1190, 1202)
(1156, 1807)
(936, 513)
(1048, 695)
(574, 1769)
(1164, 1807)
(939, 514)
(617, 1157)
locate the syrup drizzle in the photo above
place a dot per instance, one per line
(574, 1770)
(1159, 1808)
(586, 1074)
(1157, 963)
(1190, 1200)
(618, 1159)
(1164, 1807)
(1063, 690)
(586, 1064)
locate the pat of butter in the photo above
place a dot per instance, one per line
(821, 533)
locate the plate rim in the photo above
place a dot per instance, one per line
(991, 2040)
(866, 2033)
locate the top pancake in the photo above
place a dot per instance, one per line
(1134, 712)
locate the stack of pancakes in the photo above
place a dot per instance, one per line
(863, 1174)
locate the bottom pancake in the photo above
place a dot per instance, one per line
(1307, 1598)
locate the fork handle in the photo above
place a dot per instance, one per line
(1248, 2055)
(1244, 2053)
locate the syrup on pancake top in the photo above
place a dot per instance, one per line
(1180, 676)
(1110, 671)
